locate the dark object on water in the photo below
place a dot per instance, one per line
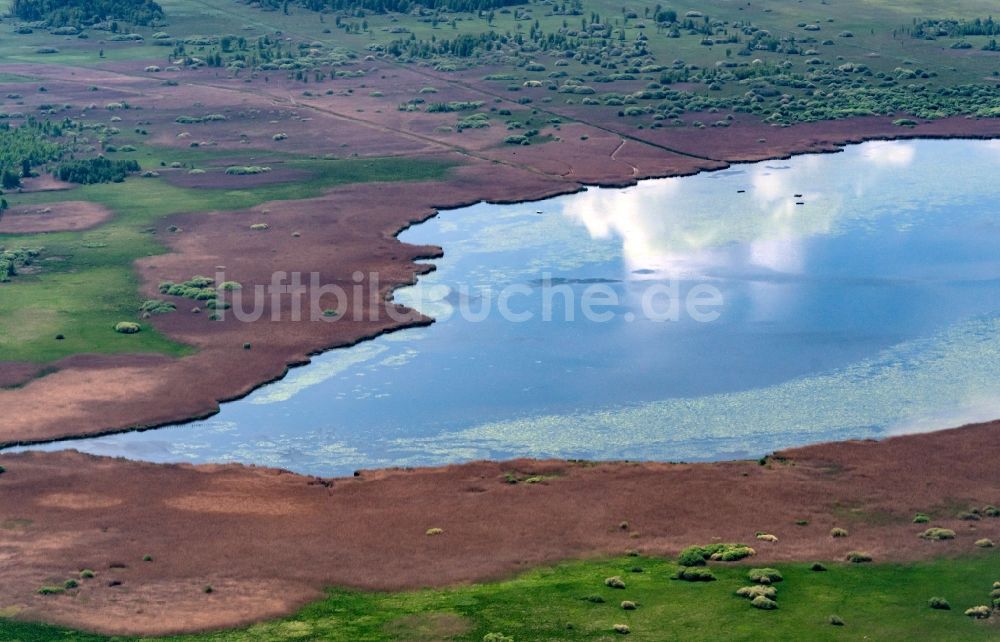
(740, 191)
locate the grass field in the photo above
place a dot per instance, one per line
(875, 602)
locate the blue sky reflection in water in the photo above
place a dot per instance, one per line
(872, 308)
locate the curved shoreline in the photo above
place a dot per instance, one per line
(70, 510)
(432, 209)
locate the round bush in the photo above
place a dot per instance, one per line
(979, 612)
(614, 582)
(835, 620)
(937, 534)
(761, 602)
(764, 575)
(750, 592)
(858, 557)
(622, 629)
(127, 327)
(984, 543)
(939, 603)
(628, 605)
(838, 532)
(695, 575)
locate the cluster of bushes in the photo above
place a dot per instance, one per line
(156, 306)
(393, 6)
(11, 260)
(61, 13)
(689, 574)
(96, 170)
(193, 120)
(698, 555)
(247, 170)
(474, 121)
(455, 105)
(199, 288)
(930, 29)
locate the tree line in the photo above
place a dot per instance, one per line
(76, 13)
(393, 6)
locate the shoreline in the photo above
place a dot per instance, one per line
(433, 208)
(70, 510)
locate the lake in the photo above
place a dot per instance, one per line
(717, 316)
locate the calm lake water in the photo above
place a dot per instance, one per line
(867, 306)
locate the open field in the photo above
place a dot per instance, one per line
(571, 602)
(67, 511)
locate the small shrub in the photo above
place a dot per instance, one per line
(939, 603)
(838, 532)
(497, 637)
(593, 599)
(984, 543)
(695, 575)
(765, 575)
(979, 612)
(147, 558)
(802, 522)
(156, 306)
(614, 582)
(260, 227)
(127, 327)
(628, 605)
(87, 574)
(434, 531)
(969, 516)
(691, 556)
(904, 122)
(761, 602)
(51, 590)
(622, 629)
(921, 518)
(71, 584)
(750, 592)
(816, 566)
(937, 534)
(767, 537)
(858, 557)
(208, 589)
(835, 620)
(991, 511)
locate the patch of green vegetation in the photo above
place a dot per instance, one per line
(568, 602)
(91, 285)
(699, 555)
(74, 13)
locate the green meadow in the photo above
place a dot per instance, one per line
(86, 283)
(570, 601)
